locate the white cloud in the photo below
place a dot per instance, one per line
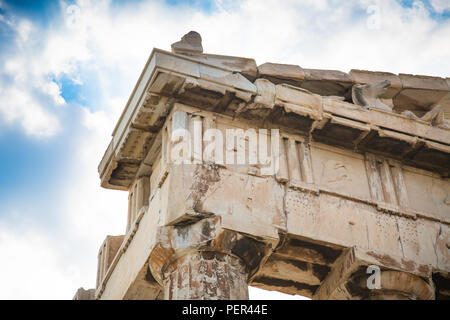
(114, 44)
(90, 213)
(260, 294)
(440, 5)
(31, 267)
(54, 91)
(24, 29)
(18, 106)
(25, 86)
(37, 264)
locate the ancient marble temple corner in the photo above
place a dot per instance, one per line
(321, 183)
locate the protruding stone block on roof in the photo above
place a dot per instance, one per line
(245, 66)
(299, 101)
(263, 102)
(410, 81)
(330, 75)
(368, 77)
(299, 107)
(265, 93)
(421, 91)
(190, 44)
(235, 80)
(327, 82)
(282, 73)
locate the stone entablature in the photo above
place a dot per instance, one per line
(210, 85)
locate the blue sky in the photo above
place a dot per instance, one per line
(63, 84)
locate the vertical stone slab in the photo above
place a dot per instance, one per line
(400, 186)
(99, 267)
(179, 121)
(376, 189)
(178, 142)
(305, 160)
(133, 204)
(282, 174)
(165, 149)
(142, 193)
(388, 185)
(293, 161)
(196, 129)
(130, 209)
(210, 136)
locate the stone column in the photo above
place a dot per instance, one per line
(353, 278)
(397, 285)
(205, 260)
(206, 275)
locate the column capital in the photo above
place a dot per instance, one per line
(212, 244)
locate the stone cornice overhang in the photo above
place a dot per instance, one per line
(151, 101)
(233, 86)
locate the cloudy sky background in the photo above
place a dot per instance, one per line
(68, 67)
